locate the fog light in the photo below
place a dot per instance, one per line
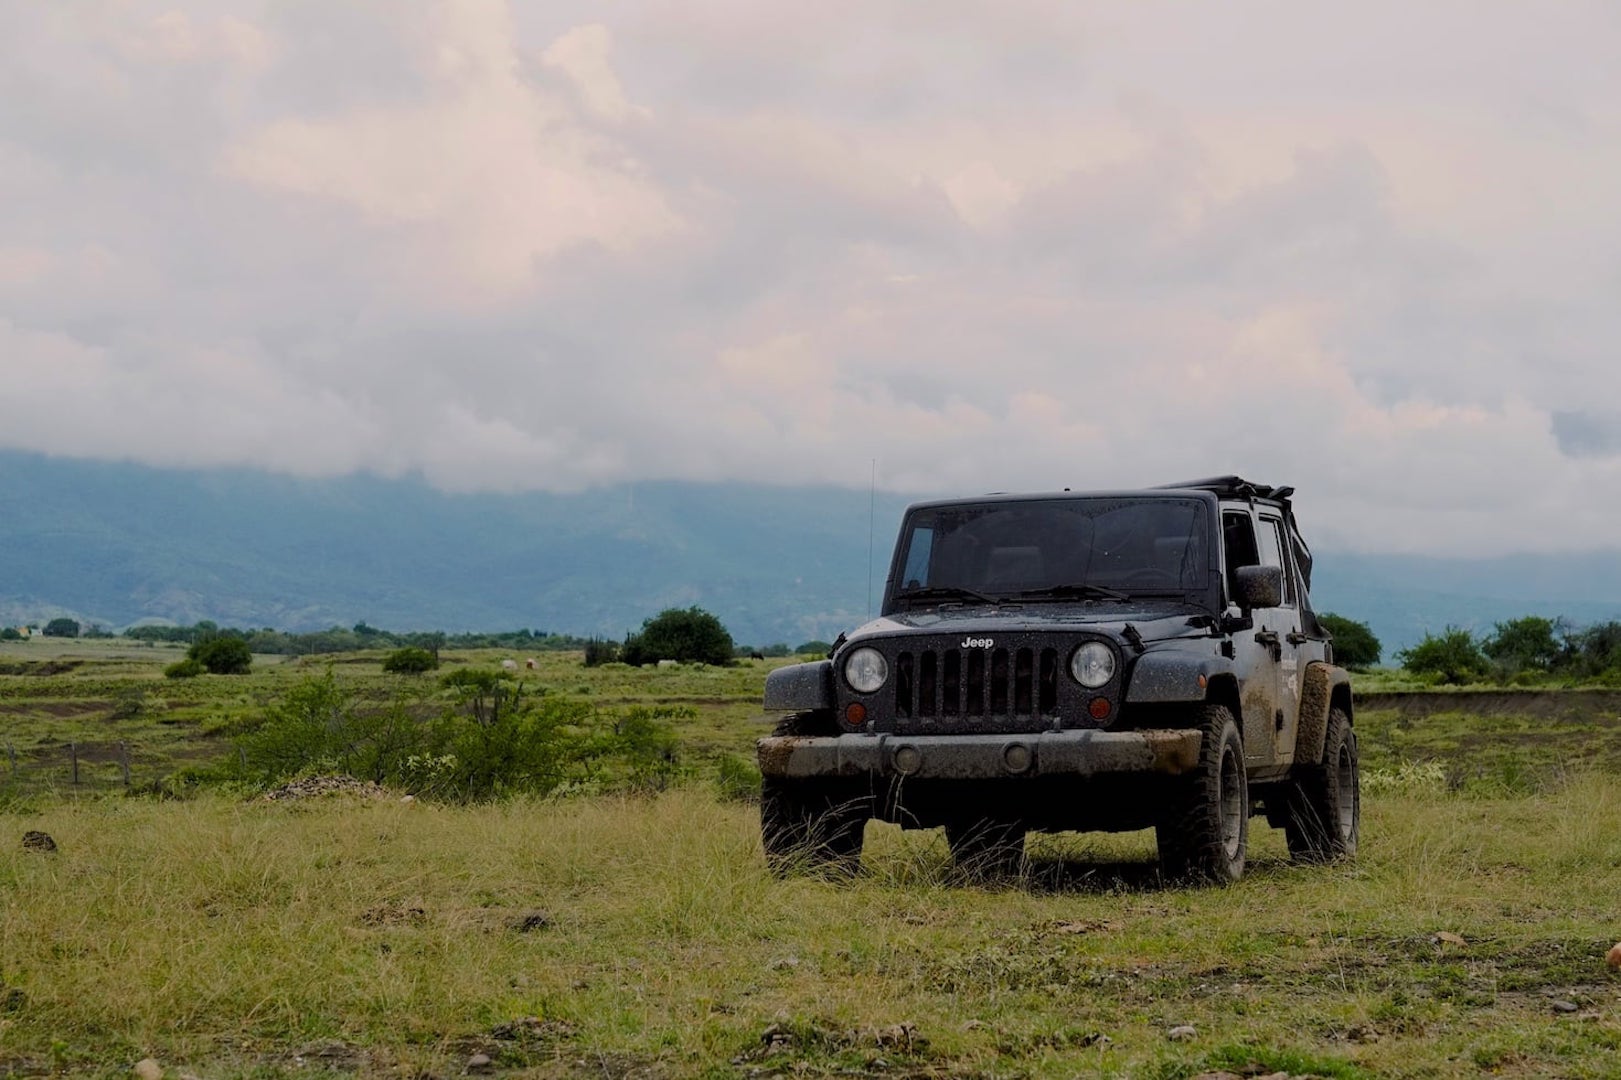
(1016, 758)
(1100, 708)
(908, 760)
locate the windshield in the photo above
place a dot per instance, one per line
(1061, 548)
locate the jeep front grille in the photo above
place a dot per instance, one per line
(949, 683)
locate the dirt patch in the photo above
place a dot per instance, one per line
(41, 667)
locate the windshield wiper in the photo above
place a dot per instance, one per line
(945, 592)
(1059, 592)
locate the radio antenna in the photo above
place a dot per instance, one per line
(872, 514)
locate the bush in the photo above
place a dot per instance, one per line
(410, 661)
(9, 633)
(184, 669)
(224, 655)
(1524, 644)
(61, 628)
(1592, 652)
(1454, 657)
(690, 636)
(738, 779)
(599, 652)
(477, 737)
(1354, 644)
(814, 647)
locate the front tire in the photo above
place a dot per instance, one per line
(987, 849)
(1204, 833)
(812, 823)
(1324, 811)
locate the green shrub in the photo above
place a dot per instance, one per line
(1525, 644)
(1453, 657)
(1354, 644)
(410, 661)
(480, 735)
(599, 652)
(737, 778)
(184, 669)
(814, 647)
(223, 655)
(689, 636)
(61, 628)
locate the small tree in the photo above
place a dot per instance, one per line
(814, 647)
(1525, 644)
(598, 652)
(1354, 644)
(9, 633)
(410, 661)
(223, 655)
(692, 636)
(62, 628)
(184, 669)
(1454, 656)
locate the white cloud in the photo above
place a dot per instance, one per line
(512, 246)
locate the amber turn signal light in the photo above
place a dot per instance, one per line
(855, 714)
(1099, 708)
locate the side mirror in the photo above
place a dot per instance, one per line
(1260, 587)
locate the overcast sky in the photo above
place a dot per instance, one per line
(1372, 249)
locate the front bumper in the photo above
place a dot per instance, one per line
(982, 757)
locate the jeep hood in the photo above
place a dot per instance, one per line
(1167, 620)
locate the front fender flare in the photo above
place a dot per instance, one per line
(800, 687)
(1174, 676)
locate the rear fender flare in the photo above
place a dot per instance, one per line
(1323, 687)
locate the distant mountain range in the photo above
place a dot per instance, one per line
(119, 544)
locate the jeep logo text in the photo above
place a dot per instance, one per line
(977, 643)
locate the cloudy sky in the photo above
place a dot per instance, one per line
(1372, 249)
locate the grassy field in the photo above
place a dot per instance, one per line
(615, 936)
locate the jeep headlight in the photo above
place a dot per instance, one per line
(865, 670)
(1092, 665)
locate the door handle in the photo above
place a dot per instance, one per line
(1269, 638)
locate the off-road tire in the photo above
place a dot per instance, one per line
(1203, 833)
(986, 849)
(1323, 808)
(812, 823)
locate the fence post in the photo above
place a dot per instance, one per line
(73, 752)
(123, 760)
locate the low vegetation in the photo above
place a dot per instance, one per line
(597, 924)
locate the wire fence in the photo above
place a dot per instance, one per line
(82, 767)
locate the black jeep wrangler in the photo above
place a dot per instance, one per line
(1092, 661)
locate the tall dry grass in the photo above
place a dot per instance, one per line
(224, 937)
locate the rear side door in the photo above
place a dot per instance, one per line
(1278, 631)
(1254, 657)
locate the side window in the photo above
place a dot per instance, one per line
(917, 559)
(1271, 540)
(1238, 540)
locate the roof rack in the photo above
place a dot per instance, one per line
(1234, 486)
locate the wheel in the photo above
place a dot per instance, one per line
(812, 823)
(1204, 832)
(987, 849)
(1323, 817)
